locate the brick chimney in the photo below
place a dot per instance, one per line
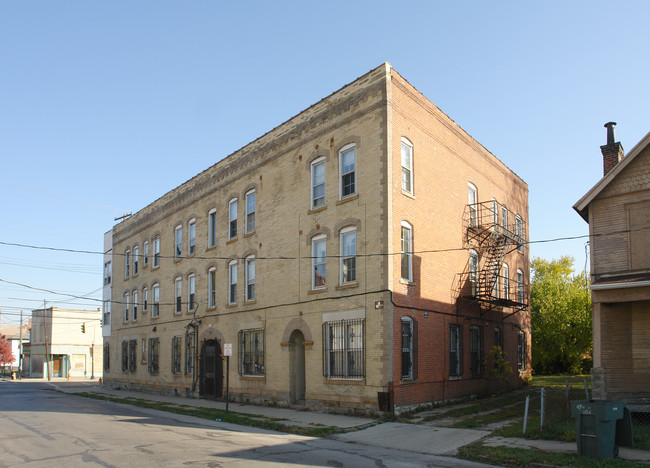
(612, 151)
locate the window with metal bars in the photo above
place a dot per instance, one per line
(521, 351)
(251, 352)
(476, 351)
(107, 357)
(409, 348)
(132, 357)
(343, 349)
(125, 356)
(176, 354)
(455, 350)
(189, 353)
(154, 346)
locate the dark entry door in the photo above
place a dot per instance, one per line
(211, 371)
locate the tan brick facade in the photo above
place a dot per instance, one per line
(335, 345)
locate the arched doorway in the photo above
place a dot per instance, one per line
(210, 370)
(297, 367)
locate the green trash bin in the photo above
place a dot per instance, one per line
(596, 426)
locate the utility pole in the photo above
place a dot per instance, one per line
(20, 349)
(92, 357)
(47, 354)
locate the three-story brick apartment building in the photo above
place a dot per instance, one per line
(366, 254)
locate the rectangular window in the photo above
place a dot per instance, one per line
(318, 262)
(455, 351)
(107, 357)
(178, 242)
(506, 282)
(495, 215)
(252, 352)
(407, 166)
(348, 256)
(473, 272)
(250, 212)
(154, 350)
(189, 353)
(191, 293)
(407, 252)
(519, 226)
(108, 273)
(250, 279)
(212, 287)
(126, 307)
(107, 312)
(125, 356)
(178, 289)
(176, 354)
(144, 350)
(127, 263)
(212, 228)
(343, 349)
(135, 306)
(156, 300)
(521, 351)
(232, 219)
(145, 253)
(407, 348)
(156, 252)
(136, 258)
(145, 298)
(318, 183)
(520, 286)
(132, 355)
(472, 204)
(476, 351)
(191, 233)
(504, 218)
(232, 282)
(347, 163)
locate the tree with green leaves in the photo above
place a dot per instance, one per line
(560, 304)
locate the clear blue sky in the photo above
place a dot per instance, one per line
(106, 106)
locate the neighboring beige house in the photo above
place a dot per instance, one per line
(64, 341)
(617, 209)
(366, 254)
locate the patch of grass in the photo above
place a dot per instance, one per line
(519, 457)
(507, 413)
(564, 431)
(243, 419)
(481, 405)
(560, 380)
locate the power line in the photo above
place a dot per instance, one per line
(284, 257)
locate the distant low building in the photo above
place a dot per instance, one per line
(14, 335)
(64, 341)
(617, 209)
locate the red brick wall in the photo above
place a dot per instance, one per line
(445, 160)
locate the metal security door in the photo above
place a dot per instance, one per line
(211, 370)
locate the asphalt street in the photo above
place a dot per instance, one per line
(41, 427)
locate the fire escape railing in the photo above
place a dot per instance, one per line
(492, 231)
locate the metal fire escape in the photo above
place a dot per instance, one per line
(491, 232)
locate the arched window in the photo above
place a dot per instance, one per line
(348, 256)
(407, 166)
(407, 251)
(347, 170)
(318, 262)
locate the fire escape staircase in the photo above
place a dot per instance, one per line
(492, 242)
